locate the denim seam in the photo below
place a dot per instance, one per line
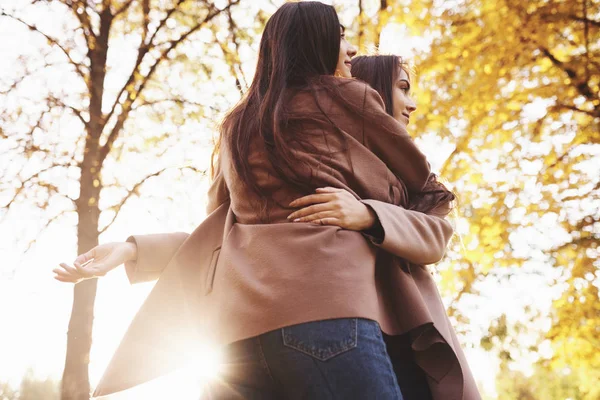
(301, 347)
(263, 359)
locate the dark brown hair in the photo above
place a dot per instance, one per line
(299, 50)
(381, 73)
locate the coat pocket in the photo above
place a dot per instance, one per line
(212, 267)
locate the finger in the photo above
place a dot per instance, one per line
(328, 189)
(68, 268)
(328, 221)
(62, 271)
(66, 280)
(84, 258)
(303, 212)
(65, 275)
(87, 270)
(316, 216)
(312, 199)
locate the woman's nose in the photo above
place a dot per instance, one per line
(411, 106)
(352, 51)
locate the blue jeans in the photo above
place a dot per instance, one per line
(411, 378)
(331, 359)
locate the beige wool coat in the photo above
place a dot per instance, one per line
(235, 277)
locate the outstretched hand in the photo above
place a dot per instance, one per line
(332, 206)
(96, 262)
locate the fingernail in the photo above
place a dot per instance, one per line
(296, 220)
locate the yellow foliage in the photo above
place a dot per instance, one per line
(492, 65)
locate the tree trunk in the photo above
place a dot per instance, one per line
(75, 381)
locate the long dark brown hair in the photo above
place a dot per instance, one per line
(381, 73)
(300, 44)
(299, 50)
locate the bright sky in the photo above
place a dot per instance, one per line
(35, 309)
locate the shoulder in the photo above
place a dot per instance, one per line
(349, 84)
(353, 87)
(358, 92)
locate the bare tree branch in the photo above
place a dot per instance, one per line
(178, 101)
(134, 191)
(79, 10)
(34, 178)
(585, 20)
(29, 146)
(78, 113)
(232, 57)
(581, 85)
(548, 17)
(125, 6)
(164, 21)
(234, 38)
(146, 25)
(594, 114)
(135, 93)
(78, 67)
(46, 226)
(142, 51)
(28, 74)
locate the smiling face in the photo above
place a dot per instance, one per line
(403, 104)
(347, 51)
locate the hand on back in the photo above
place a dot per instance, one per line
(331, 206)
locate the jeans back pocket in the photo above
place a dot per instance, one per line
(322, 340)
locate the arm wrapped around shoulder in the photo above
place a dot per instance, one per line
(390, 141)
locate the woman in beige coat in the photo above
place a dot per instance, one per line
(314, 286)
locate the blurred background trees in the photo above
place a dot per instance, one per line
(516, 86)
(510, 89)
(104, 68)
(31, 388)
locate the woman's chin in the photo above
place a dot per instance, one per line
(343, 72)
(402, 120)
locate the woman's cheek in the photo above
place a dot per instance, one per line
(397, 104)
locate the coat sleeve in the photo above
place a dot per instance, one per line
(156, 250)
(153, 254)
(412, 235)
(391, 143)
